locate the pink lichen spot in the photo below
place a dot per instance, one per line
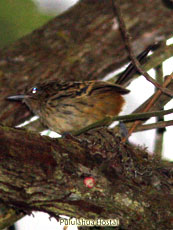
(89, 182)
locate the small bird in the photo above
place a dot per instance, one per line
(69, 106)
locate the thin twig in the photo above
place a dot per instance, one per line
(159, 103)
(130, 71)
(150, 103)
(127, 39)
(131, 117)
(157, 125)
(160, 55)
(158, 146)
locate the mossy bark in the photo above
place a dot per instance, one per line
(44, 174)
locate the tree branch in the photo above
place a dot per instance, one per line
(157, 125)
(125, 118)
(44, 174)
(127, 39)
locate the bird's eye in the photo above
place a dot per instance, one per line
(34, 90)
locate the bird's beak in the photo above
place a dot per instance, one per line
(18, 97)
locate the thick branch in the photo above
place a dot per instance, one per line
(39, 173)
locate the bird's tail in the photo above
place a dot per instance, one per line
(127, 75)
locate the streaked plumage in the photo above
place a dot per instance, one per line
(70, 106)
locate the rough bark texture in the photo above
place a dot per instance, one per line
(38, 173)
(129, 184)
